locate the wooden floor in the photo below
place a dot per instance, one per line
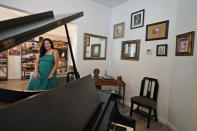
(141, 122)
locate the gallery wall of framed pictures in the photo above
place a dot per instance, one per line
(154, 32)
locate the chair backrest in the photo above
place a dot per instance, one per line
(149, 88)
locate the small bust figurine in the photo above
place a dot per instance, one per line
(96, 74)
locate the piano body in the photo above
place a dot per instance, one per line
(73, 106)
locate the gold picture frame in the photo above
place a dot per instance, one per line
(157, 31)
(95, 47)
(185, 44)
(130, 50)
(119, 30)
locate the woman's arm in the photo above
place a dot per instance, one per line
(56, 58)
(36, 74)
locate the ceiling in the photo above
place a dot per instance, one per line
(110, 3)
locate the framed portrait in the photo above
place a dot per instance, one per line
(185, 44)
(137, 19)
(162, 50)
(130, 50)
(157, 31)
(95, 50)
(119, 30)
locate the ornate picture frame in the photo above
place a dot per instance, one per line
(130, 50)
(95, 47)
(162, 50)
(185, 44)
(157, 31)
(119, 30)
(137, 19)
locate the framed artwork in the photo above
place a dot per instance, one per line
(137, 19)
(157, 31)
(119, 30)
(95, 47)
(185, 44)
(130, 50)
(162, 50)
(95, 50)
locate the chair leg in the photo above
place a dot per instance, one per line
(131, 109)
(138, 107)
(155, 114)
(149, 118)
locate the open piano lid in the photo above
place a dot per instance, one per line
(18, 30)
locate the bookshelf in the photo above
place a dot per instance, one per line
(29, 51)
(62, 48)
(3, 66)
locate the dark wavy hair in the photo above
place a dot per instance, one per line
(42, 48)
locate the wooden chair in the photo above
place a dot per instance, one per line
(146, 99)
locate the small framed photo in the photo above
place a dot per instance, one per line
(130, 50)
(162, 50)
(185, 44)
(157, 31)
(119, 30)
(137, 19)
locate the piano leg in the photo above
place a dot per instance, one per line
(123, 120)
(131, 109)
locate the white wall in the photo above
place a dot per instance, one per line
(193, 125)
(14, 62)
(148, 65)
(96, 20)
(176, 74)
(184, 72)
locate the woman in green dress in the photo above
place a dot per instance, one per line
(45, 67)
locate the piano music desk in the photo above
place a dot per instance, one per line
(113, 83)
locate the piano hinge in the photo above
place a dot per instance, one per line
(59, 22)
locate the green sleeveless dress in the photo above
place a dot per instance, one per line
(46, 65)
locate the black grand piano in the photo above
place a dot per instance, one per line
(72, 106)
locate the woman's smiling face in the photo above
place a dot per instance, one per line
(47, 45)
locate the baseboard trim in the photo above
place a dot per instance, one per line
(167, 123)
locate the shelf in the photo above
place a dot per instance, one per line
(3, 65)
(28, 64)
(3, 58)
(29, 51)
(30, 59)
